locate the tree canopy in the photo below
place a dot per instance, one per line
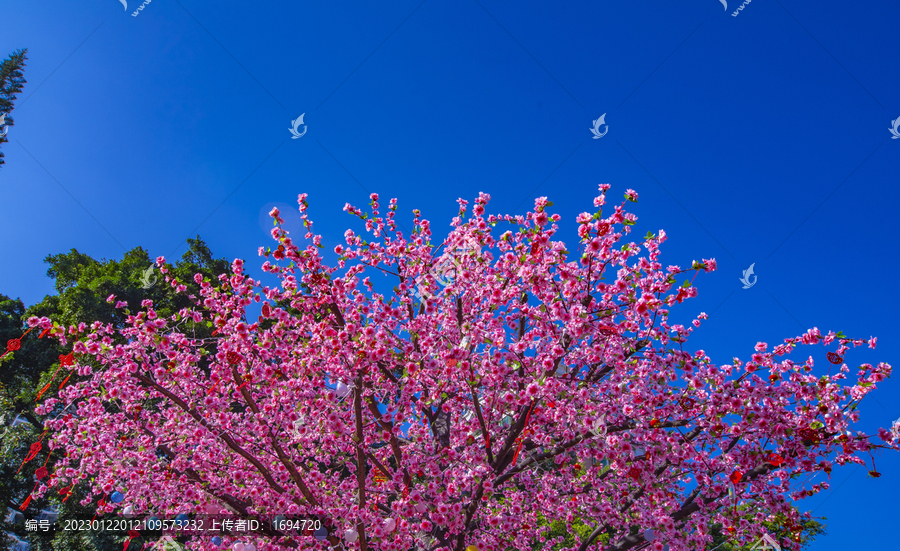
(82, 284)
(12, 79)
(503, 395)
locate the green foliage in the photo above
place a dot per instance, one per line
(82, 284)
(11, 80)
(804, 533)
(558, 528)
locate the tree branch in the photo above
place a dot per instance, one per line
(360, 459)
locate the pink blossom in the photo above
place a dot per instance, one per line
(414, 391)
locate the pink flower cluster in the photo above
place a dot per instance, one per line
(533, 388)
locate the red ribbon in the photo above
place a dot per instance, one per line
(65, 380)
(28, 499)
(527, 417)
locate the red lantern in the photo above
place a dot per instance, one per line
(775, 459)
(233, 358)
(13, 344)
(654, 423)
(41, 473)
(634, 473)
(835, 358)
(266, 310)
(736, 477)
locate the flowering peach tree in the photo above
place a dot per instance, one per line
(522, 385)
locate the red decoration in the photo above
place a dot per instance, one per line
(775, 459)
(67, 491)
(28, 499)
(66, 360)
(451, 362)
(131, 535)
(266, 310)
(654, 423)
(44, 332)
(14, 344)
(634, 473)
(233, 358)
(607, 330)
(41, 473)
(835, 358)
(35, 448)
(66, 379)
(736, 477)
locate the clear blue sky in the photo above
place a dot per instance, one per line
(761, 138)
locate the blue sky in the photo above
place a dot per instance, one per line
(760, 138)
